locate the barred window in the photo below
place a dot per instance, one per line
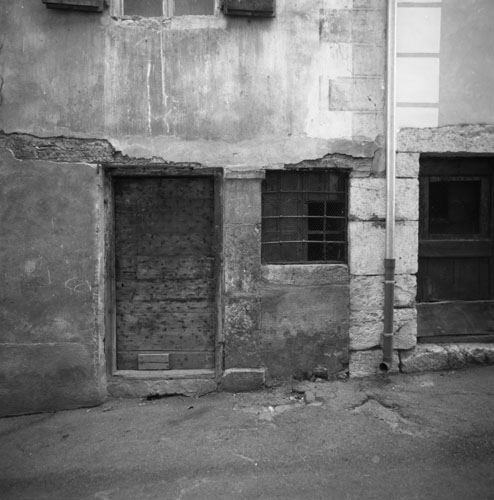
(304, 216)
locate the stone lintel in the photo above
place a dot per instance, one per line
(305, 274)
(449, 139)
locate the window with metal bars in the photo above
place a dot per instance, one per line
(304, 216)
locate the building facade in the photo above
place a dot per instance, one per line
(193, 193)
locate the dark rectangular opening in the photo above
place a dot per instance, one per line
(304, 216)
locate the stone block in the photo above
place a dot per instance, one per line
(242, 201)
(47, 377)
(241, 329)
(366, 328)
(367, 292)
(368, 199)
(407, 165)
(450, 139)
(462, 355)
(459, 357)
(243, 379)
(141, 388)
(242, 258)
(366, 363)
(366, 242)
(305, 274)
(488, 352)
(405, 328)
(366, 247)
(407, 199)
(405, 290)
(424, 357)
(356, 94)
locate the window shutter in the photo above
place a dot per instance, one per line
(86, 5)
(258, 8)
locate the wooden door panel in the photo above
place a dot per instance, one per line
(456, 262)
(165, 270)
(454, 279)
(456, 319)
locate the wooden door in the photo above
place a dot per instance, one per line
(455, 278)
(165, 272)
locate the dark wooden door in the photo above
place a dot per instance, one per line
(455, 278)
(165, 272)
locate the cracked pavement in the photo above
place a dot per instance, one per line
(427, 436)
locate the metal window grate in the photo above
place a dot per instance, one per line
(304, 216)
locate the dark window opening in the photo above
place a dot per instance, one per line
(168, 8)
(304, 216)
(454, 207)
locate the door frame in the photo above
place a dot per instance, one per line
(436, 316)
(110, 172)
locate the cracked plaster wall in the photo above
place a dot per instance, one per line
(207, 89)
(78, 89)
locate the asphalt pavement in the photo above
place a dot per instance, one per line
(398, 437)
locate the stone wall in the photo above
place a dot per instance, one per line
(461, 139)
(367, 211)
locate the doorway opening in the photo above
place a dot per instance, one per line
(456, 249)
(164, 272)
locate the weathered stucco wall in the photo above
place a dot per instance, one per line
(305, 319)
(199, 88)
(222, 92)
(444, 63)
(467, 62)
(49, 334)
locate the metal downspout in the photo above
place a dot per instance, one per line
(389, 256)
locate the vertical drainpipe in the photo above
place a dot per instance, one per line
(389, 255)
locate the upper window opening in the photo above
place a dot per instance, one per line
(168, 8)
(304, 216)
